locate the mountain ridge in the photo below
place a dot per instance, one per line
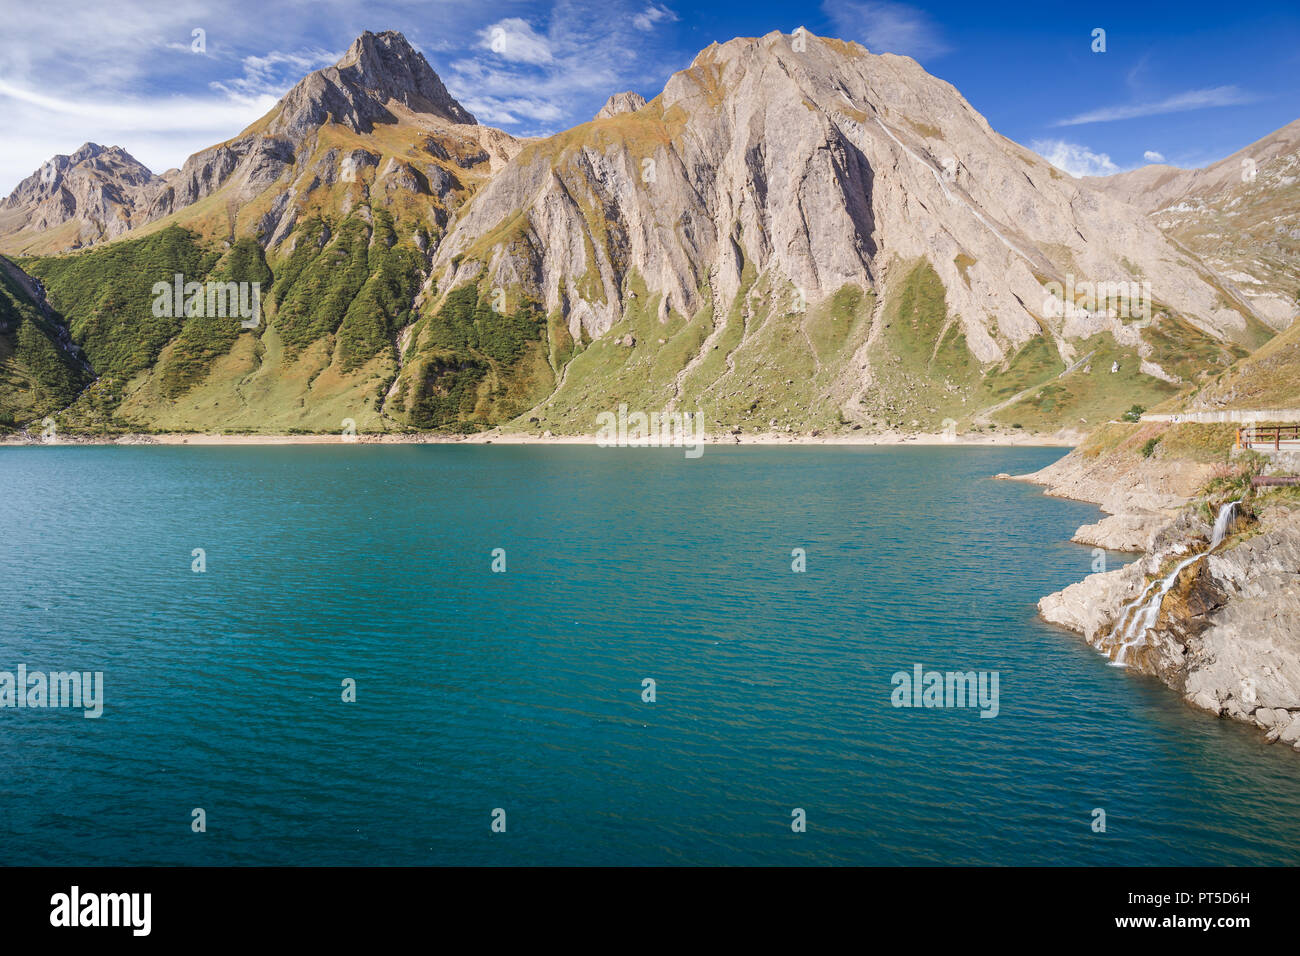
(380, 80)
(95, 192)
(1239, 214)
(881, 165)
(795, 233)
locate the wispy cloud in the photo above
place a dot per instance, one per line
(886, 27)
(1073, 158)
(1151, 156)
(542, 74)
(511, 111)
(1179, 103)
(181, 113)
(1133, 78)
(271, 74)
(651, 15)
(159, 131)
(492, 93)
(515, 40)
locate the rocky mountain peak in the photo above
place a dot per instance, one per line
(378, 69)
(386, 63)
(374, 52)
(109, 164)
(89, 150)
(90, 166)
(98, 186)
(1238, 214)
(626, 102)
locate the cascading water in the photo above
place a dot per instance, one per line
(1222, 523)
(1124, 615)
(1151, 613)
(1135, 633)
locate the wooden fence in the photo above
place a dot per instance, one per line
(1267, 436)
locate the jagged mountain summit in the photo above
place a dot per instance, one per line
(1240, 215)
(377, 70)
(95, 193)
(625, 102)
(380, 118)
(794, 234)
(380, 83)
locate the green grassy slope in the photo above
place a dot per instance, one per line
(37, 376)
(340, 338)
(322, 351)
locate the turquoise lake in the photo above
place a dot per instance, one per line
(522, 690)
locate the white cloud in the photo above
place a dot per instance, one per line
(180, 113)
(1074, 159)
(159, 131)
(584, 51)
(273, 73)
(886, 27)
(653, 14)
(1180, 103)
(1151, 156)
(480, 80)
(514, 39)
(490, 109)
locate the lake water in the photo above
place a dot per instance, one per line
(523, 690)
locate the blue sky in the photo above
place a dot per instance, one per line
(1189, 82)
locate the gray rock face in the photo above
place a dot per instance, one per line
(627, 102)
(1234, 637)
(108, 192)
(1122, 484)
(257, 161)
(1122, 532)
(1238, 214)
(1088, 607)
(821, 166)
(378, 69)
(102, 188)
(1227, 633)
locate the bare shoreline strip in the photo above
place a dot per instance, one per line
(1059, 440)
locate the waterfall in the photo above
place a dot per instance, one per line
(1223, 522)
(1134, 634)
(1119, 624)
(1145, 620)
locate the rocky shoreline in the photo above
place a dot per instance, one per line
(1226, 635)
